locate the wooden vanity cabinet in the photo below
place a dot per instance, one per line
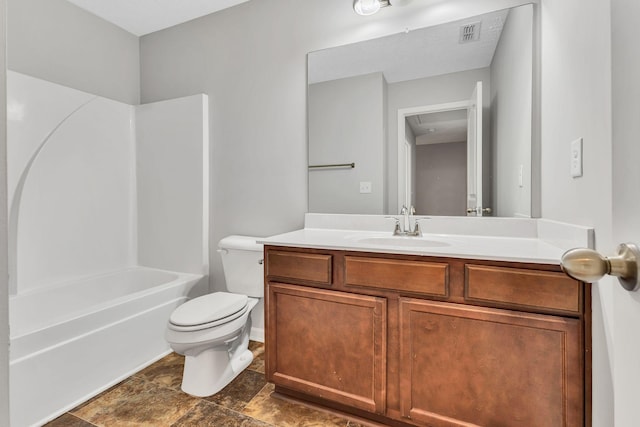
(423, 341)
(328, 344)
(463, 364)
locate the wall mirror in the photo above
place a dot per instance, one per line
(439, 118)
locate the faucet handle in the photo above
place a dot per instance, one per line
(416, 229)
(397, 230)
(404, 210)
(412, 210)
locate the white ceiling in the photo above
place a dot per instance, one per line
(141, 17)
(417, 54)
(439, 128)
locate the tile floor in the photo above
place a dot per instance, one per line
(152, 397)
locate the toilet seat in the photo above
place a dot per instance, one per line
(208, 311)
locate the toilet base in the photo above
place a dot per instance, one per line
(214, 356)
(207, 370)
(211, 370)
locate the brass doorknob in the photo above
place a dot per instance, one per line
(588, 265)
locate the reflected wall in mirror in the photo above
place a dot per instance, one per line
(400, 109)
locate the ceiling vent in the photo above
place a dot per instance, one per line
(470, 32)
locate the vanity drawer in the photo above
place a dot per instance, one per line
(524, 289)
(300, 266)
(431, 278)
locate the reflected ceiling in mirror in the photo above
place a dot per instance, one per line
(375, 104)
(426, 52)
(440, 127)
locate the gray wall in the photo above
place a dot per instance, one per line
(511, 96)
(576, 102)
(56, 41)
(441, 179)
(430, 91)
(4, 269)
(251, 61)
(346, 124)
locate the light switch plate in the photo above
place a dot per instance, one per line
(365, 187)
(576, 158)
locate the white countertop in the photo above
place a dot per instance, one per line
(544, 245)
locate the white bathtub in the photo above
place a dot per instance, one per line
(73, 340)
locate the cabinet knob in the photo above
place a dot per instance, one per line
(588, 265)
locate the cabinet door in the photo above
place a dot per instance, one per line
(464, 365)
(328, 344)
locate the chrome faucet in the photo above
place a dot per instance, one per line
(405, 213)
(405, 229)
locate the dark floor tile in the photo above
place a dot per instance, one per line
(284, 413)
(257, 348)
(207, 414)
(152, 397)
(90, 400)
(240, 391)
(166, 371)
(68, 420)
(139, 403)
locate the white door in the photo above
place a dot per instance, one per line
(474, 152)
(626, 205)
(409, 161)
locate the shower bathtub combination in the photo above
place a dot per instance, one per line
(73, 340)
(108, 234)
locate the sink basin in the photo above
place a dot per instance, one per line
(405, 242)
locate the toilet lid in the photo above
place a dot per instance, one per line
(208, 308)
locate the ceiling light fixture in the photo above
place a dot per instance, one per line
(369, 7)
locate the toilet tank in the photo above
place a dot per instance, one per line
(242, 261)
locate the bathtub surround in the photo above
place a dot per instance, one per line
(118, 330)
(172, 171)
(60, 318)
(112, 179)
(97, 188)
(69, 163)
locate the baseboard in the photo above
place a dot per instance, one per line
(97, 391)
(257, 334)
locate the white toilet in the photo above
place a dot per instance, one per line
(212, 331)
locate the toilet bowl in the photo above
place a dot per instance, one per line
(212, 331)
